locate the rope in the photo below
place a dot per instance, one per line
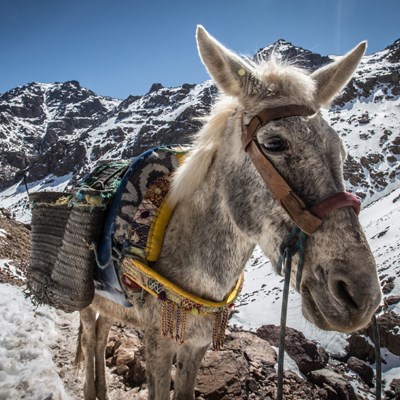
(295, 242)
(282, 333)
(378, 360)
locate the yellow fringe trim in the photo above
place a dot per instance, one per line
(171, 287)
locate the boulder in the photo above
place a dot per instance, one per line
(337, 386)
(361, 368)
(255, 350)
(307, 355)
(359, 346)
(395, 386)
(221, 375)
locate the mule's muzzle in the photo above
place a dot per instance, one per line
(342, 300)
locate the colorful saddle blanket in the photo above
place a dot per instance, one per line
(137, 218)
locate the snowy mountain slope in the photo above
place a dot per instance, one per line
(62, 128)
(39, 121)
(366, 116)
(164, 115)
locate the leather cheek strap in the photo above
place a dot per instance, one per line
(294, 206)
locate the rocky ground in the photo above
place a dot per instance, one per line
(14, 248)
(244, 369)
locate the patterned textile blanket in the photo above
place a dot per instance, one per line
(136, 221)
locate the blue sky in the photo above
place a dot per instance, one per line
(120, 47)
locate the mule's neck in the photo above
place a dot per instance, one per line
(204, 251)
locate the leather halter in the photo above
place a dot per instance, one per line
(308, 219)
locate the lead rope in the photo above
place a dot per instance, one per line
(378, 360)
(295, 242)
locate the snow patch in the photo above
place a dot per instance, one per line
(27, 370)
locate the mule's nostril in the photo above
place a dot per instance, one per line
(343, 293)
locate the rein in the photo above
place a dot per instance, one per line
(306, 219)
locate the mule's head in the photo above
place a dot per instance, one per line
(339, 286)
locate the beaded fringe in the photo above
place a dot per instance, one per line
(174, 318)
(173, 321)
(219, 325)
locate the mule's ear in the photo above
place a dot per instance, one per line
(333, 77)
(230, 72)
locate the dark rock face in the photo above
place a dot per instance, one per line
(155, 87)
(362, 369)
(39, 126)
(360, 347)
(394, 52)
(307, 355)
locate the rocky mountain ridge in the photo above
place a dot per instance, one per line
(57, 129)
(62, 129)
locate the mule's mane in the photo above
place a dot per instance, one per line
(285, 84)
(206, 143)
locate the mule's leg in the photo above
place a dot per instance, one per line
(188, 361)
(159, 353)
(88, 343)
(103, 326)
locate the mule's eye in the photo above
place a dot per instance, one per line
(276, 144)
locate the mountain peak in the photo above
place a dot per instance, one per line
(394, 51)
(282, 42)
(284, 50)
(155, 86)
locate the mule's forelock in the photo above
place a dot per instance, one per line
(287, 83)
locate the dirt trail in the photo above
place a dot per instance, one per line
(64, 355)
